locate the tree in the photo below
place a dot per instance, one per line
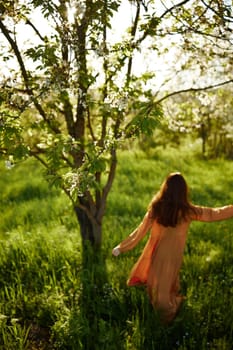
(69, 111)
(75, 95)
(206, 116)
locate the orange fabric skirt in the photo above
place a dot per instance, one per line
(161, 279)
(140, 271)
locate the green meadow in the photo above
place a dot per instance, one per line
(54, 297)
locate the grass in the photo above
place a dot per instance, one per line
(49, 300)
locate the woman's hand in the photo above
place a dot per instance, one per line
(116, 251)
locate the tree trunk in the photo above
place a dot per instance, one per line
(203, 137)
(91, 230)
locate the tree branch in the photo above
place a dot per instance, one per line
(146, 33)
(108, 185)
(168, 10)
(133, 33)
(193, 90)
(218, 14)
(195, 30)
(105, 69)
(89, 125)
(25, 75)
(35, 29)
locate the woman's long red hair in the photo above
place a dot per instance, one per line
(171, 205)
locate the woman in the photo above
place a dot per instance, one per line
(168, 218)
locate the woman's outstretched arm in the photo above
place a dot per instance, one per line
(213, 214)
(132, 240)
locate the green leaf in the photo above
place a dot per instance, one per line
(145, 121)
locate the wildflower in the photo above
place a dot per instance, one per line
(8, 164)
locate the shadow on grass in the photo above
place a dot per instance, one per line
(106, 318)
(123, 319)
(94, 324)
(155, 336)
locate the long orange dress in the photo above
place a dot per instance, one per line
(159, 264)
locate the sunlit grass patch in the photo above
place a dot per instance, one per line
(55, 302)
(28, 201)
